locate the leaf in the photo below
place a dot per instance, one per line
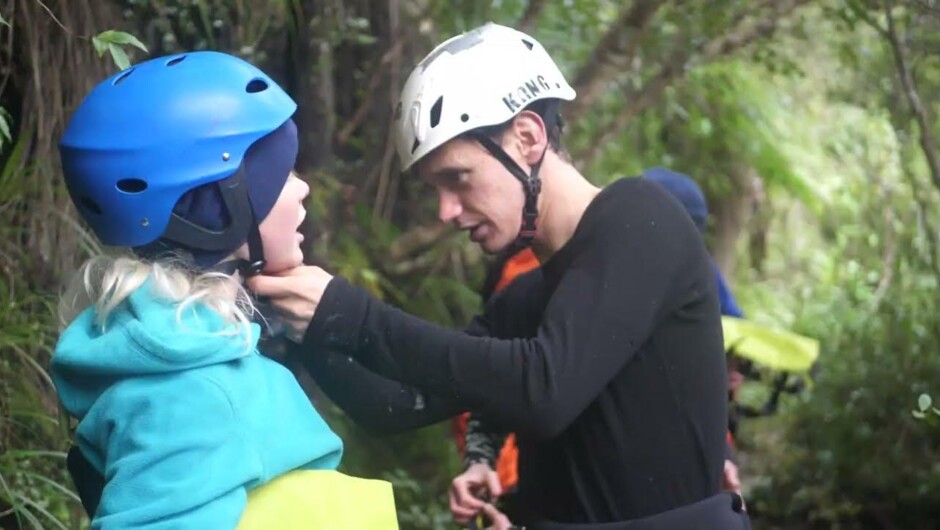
(4, 127)
(9, 172)
(924, 402)
(39, 508)
(3, 22)
(100, 45)
(119, 37)
(119, 56)
(917, 414)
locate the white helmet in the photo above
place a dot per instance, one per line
(482, 77)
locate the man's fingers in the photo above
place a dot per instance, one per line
(731, 472)
(302, 270)
(460, 490)
(492, 484)
(500, 521)
(270, 286)
(462, 514)
(463, 505)
(296, 310)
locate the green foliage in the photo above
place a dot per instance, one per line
(112, 41)
(816, 115)
(35, 489)
(5, 136)
(926, 410)
(850, 453)
(423, 505)
(33, 480)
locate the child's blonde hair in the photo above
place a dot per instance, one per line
(104, 282)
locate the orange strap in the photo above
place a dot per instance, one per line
(521, 263)
(507, 465)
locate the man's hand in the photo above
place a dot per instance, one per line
(730, 480)
(498, 518)
(479, 479)
(295, 294)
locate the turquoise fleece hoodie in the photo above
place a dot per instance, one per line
(181, 420)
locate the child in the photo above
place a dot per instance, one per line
(188, 161)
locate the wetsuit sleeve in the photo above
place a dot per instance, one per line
(377, 403)
(483, 442)
(603, 308)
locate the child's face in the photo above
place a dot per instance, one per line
(279, 230)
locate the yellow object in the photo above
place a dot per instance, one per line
(320, 500)
(768, 347)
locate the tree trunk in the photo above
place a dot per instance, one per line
(311, 80)
(731, 214)
(530, 17)
(672, 69)
(49, 67)
(918, 109)
(611, 56)
(759, 228)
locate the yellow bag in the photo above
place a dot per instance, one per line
(320, 500)
(777, 349)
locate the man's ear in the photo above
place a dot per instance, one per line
(530, 135)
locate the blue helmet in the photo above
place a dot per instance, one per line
(146, 136)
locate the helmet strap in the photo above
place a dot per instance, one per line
(256, 262)
(242, 225)
(531, 183)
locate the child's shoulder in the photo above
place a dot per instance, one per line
(168, 393)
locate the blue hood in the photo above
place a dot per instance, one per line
(685, 189)
(142, 337)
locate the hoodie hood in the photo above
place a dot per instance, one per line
(685, 189)
(144, 335)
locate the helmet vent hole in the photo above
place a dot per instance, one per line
(175, 61)
(123, 76)
(132, 185)
(90, 205)
(464, 118)
(528, 44)
(256, 85)
(436, 112)
(414, 146)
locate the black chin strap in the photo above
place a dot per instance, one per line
(243, 226)
(255, 263)
(531, 183)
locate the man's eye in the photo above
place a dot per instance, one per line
(457, 179)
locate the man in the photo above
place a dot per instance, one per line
(609, 368)
(490, 458)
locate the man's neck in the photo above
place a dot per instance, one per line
(565, 196)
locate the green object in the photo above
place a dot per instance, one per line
(776, 349)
